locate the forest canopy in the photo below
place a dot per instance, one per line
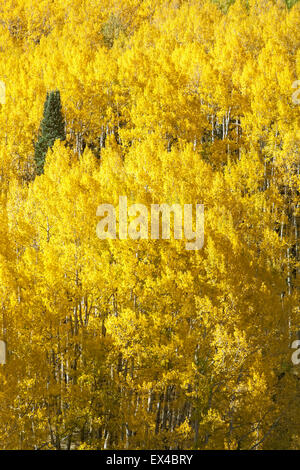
(142, 344)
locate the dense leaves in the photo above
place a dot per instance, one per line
(131, 344)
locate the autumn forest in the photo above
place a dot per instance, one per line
(134, 343)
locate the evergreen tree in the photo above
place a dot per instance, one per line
(52, 128)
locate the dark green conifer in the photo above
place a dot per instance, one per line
(52, 128)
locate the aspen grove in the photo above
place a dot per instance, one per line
(140, 343)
